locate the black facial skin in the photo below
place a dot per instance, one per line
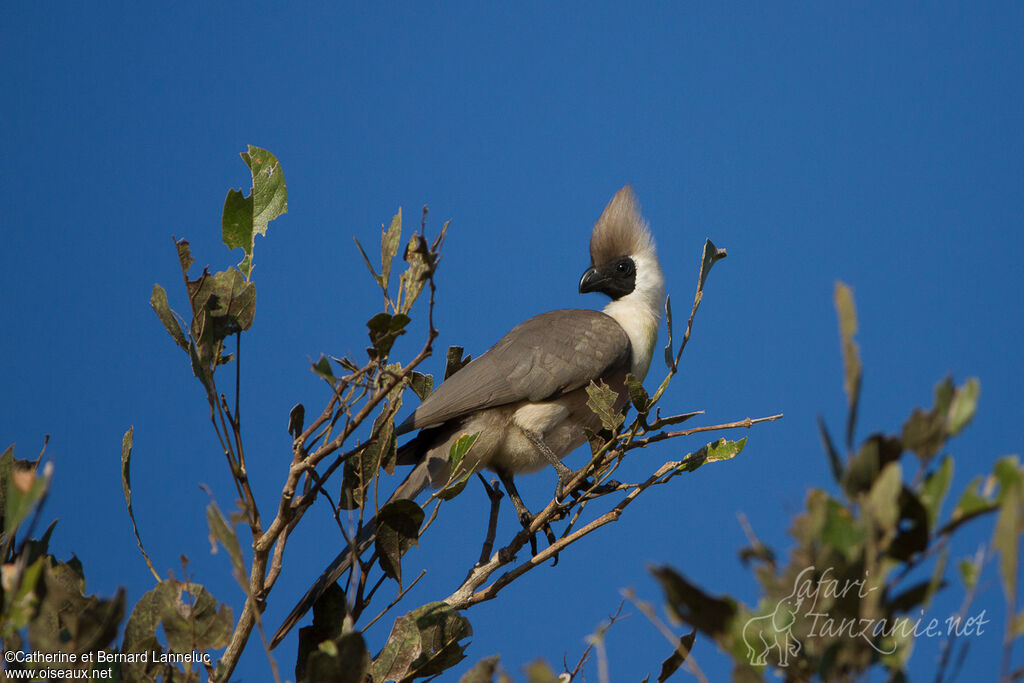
(616, 278)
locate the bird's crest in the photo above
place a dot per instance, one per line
(621, 230)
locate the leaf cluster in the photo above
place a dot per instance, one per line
(846, 599)
(46, 610)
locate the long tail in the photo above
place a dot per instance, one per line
(417, 481)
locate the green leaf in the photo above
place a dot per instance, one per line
(357, 475)
(724, 450)
(369, 266)
(441, 628)
(483, 671)
(410, 283)
(935, 488)
(1008, 472)
(924, 432)
(329, 613)
(296, 420)
(163, 311)
(968, 572)
(638, 395)
(710, 256)
(246, 217)
(398, 529)
(863, 468)
(459, 450)
(835, 462)
(912, 527)
(938, 577)
(126, 485)
(184, 256)
(402, 647)
(1017, 627)
(140, 636)
(454, 361)
(391, 372)
(222, 305)
(882, 502)
(690, 604)
(841, 530)
(539, 671)
(389, 241)
(712, 452)
(24, 490)
(20, 604)
(343, 660)
(193, 620)
(460, 475)
(422, 262)
(971, 502)
(424, 642)
(69, 621)
(963, 406)
(847, 313)
(602, 403)
(236, 226)
(384, 330)
(678, 656)
(670, 353)
(323, 368)
(381, 453)
(224, 533)
(422, 385)
(1009, 526)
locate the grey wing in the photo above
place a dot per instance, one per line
(547, 355)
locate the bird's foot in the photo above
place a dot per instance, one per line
(565, 479)
(586, 487)
(526, 519)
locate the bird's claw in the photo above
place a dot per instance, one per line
(526, 519)
(566, 478)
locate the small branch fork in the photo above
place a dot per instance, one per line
(473, 591)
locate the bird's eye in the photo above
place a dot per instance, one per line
(622, 266)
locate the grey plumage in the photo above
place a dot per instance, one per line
(545, 357)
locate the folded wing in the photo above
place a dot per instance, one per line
(542, 358)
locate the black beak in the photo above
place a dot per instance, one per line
(592, 281)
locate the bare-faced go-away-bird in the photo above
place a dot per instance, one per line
(526, 396)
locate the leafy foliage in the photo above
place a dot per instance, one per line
(841, 604)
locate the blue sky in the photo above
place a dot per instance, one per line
(878, 144)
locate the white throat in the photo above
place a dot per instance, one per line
(639, 312)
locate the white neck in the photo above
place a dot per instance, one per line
(639, 312)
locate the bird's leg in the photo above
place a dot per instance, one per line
(525, 516)
(565, 475)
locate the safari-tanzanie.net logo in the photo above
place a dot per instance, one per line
(810, 602)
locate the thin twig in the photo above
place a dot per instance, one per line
(949, 643)
(746, 423)
(652, 616)
(590, 643)
(494, 494)
(397, 599)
